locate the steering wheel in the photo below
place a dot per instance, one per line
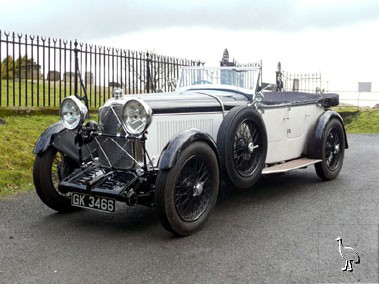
(201, 82)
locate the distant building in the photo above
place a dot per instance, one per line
(225, 59)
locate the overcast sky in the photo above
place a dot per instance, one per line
(338, 38)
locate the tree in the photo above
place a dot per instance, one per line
(9, 67)
(155, 77)
(23, 62)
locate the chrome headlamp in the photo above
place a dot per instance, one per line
(72, 112)
(137, 116)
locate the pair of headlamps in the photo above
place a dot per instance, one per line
(136, 114)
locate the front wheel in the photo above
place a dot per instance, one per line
(333, 150)
(49, 169)
(186, 193)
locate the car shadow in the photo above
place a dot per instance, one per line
(126, 220)
(271, 188)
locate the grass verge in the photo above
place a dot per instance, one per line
(364, 120)
(18, 136)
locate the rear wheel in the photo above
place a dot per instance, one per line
(186, 193)
(333, 150)
(49, 169)
(242, 144)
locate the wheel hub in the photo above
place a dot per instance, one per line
(198, 189)
(336, 148)
(251, 147)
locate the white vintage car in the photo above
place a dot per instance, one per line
(173, 150)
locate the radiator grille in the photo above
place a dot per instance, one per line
(116, 152)
(110, 119)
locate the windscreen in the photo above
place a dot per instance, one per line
(245, 78)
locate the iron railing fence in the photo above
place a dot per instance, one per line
(311, 82)
(302, 82)
(39, 71)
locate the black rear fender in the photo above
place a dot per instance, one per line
(316, 140)
(180, 141)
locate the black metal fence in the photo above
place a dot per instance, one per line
(298, 82)
(37, 71)
(303, 82)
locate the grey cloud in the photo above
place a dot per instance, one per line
(98, 19)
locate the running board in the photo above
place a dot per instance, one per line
(291, 165)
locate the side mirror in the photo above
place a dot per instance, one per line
(259, 97)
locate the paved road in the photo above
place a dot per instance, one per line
(282, 231)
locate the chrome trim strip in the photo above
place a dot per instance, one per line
(217, 99)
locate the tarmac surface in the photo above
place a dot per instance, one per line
(283, 230)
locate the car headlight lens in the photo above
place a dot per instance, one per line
(72, 112)
(137, 116)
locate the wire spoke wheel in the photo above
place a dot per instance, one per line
(187, 192)
(59, 169)
(49, 169)
(55, 168)
(333, 150)
(247, 148)
(193, 189)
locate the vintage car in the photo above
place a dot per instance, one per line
(174, 150)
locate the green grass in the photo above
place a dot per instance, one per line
(22, 129)
(364, 120)
(39, 94)
(17, 139)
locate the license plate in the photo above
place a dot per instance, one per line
(93, 202)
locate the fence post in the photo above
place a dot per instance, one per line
(76, 50)
(279, 78)
(148, 72)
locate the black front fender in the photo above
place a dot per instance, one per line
(60, 138)
(47, 136)
(316, 140)
(180, 141)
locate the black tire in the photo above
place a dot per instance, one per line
(186, 193)
(242, 145)
(49, 168)
(333, 151)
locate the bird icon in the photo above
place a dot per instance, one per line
(348, 254)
